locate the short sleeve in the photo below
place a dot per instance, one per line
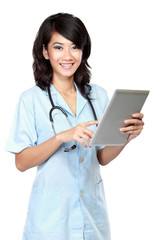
(104, 100)
(23, 131)
(102, 97)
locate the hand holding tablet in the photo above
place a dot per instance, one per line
(123, 105)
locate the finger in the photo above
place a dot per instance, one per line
(80, 140)
(138, 115)
(133, 122)
(79, 136)
(88, 132)
(87, 139)
(89, 123)
(133, 132)
(84, 136)
(88, 142)
(131, 128)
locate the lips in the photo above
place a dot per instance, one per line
(66, 65)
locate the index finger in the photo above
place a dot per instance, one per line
(89, 123)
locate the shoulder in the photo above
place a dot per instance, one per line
(31, 93)
(99, 99)
(98, 92)
(30, 97)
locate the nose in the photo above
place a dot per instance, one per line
(67, 54)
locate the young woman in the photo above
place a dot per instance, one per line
(67, 200)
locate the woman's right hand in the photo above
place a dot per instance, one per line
(36, 155)
(77, 133)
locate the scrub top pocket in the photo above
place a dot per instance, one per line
(44, 210)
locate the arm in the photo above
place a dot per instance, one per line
(109, 153)
(33, 156)
(133, 127)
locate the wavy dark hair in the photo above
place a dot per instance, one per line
(74, 30)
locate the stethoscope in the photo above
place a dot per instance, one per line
(66, 115)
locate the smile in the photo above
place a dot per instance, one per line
(66, 65)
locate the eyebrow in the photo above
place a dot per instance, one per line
(57, 43)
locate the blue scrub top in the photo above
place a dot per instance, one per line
(67, 200)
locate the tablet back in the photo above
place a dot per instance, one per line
(122, 105)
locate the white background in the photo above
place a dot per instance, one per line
(124, 55)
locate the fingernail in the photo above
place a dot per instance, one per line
(134, 115)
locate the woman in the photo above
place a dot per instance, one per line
(67, 200)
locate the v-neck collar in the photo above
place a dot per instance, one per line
(59, 100)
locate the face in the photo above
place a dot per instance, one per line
(63, 55)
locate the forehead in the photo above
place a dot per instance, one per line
(58, 38)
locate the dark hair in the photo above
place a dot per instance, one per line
(74, 30)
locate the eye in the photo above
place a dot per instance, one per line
(58, 47)
(74, 47)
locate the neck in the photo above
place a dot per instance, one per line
(64, 86)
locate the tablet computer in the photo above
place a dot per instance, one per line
(122, 105)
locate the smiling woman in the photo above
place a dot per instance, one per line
(64, 57)
(67, 200)
(53, 33)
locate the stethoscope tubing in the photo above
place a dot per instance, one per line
(66, 115)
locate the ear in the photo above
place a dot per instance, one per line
(45, 53)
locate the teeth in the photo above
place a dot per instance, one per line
(66, 65)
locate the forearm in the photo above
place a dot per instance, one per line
(34, 156)
(108, 153)
(132, 128)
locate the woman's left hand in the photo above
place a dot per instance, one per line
(133, 126)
